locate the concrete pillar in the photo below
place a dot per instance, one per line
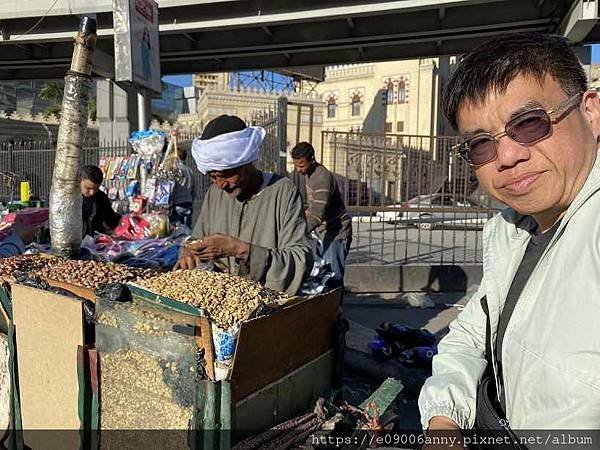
(584, 53)
(117, 111)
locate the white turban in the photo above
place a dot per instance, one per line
(228, 150)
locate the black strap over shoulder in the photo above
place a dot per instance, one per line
(488, 336)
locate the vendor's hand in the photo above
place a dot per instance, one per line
(187, 260)
(218, 246)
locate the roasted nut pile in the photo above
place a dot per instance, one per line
(227, 299)
(90, 274)
(134, 395)
(25, 263)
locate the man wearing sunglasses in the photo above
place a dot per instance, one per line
(525, 353)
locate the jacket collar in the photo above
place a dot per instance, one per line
(526, 224)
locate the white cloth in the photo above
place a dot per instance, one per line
(229, 150)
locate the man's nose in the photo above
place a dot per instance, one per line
(510, 153)
(220, 183)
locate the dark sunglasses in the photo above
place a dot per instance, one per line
(525, 128)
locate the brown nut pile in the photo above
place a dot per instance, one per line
(134, 395)
(25, 263)
(227, 299)
(91, 274)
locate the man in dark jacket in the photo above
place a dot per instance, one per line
(326, 214)
(97, 213)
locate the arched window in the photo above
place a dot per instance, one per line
(331, 107)
(356, 105)
(389, 95)
(401, 92)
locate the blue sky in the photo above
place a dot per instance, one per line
(179, 80)
(596, 53)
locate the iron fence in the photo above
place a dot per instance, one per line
(411, 200)
(34, 162)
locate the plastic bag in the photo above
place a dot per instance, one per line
(148, 143)
(317, 281)
(115, 292)
(224, 342)
(132, 226)
(148, 367)
(89, 308)
(170, 166)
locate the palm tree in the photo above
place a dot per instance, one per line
(92, 109)
(52, 91)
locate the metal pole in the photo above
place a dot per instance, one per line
(65, 193)
(282, 133)
(142, 113)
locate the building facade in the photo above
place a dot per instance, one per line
(386, 97)
(303, 117)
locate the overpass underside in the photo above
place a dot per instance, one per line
(227, 35)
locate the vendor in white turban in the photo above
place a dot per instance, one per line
(251, 222)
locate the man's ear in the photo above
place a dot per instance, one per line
(590, 105)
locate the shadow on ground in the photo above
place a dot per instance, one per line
(365, 313)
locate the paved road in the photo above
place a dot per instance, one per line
(384, 243)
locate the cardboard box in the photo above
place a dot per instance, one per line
(283, 361)
(49, 329)
(270, 346)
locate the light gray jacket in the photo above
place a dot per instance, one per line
(551, 349)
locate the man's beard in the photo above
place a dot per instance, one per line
(233, 191)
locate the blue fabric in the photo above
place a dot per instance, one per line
(11, 246)
(335, 253)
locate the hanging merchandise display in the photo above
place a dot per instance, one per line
(170, 166)
(140, 185)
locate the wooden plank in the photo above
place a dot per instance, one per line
(204, 340)
(80, 291)
(286, 397)
(49, 328)
(272, 346)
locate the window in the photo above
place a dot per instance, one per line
(356, 105)
(388, 127)
(391, 192)
(399, 126)
(389, 96)
(401, 92)
(331, 107)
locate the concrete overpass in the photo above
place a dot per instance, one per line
(224, 35)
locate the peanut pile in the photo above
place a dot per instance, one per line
(134, 395)
(89, 274)
(226, 299)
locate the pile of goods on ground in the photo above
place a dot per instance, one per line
(89, 274)
(227, 299)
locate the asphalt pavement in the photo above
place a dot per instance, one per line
(385, 243)
(365, 312)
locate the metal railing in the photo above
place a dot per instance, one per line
(411, 200)
(34, 162)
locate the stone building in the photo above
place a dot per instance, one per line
(385, 97)
(256, 107)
